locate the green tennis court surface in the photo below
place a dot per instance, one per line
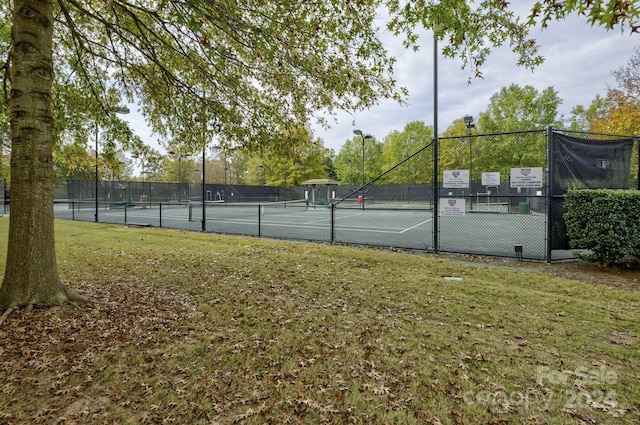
(407, 226)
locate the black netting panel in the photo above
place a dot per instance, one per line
(585, 163)
(590, 164)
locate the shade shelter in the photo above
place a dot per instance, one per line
(322, 182)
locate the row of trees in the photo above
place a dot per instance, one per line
(513, 108)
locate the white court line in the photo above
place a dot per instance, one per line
(327, 221)
(324, 220)
(308, 224)
(133, 215)
(305, 226)
(419, 224)
(365, 227)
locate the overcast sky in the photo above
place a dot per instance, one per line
(579, 60)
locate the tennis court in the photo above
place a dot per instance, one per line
(408, 226)
(512, 208)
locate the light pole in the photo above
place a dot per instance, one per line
(118, 110)
(285, 182)
(219, 148)
(180, 156)
(263, 174)
(468, 119)
(217, 127)
(363, 137)
(204, 205)
(96, 176)
(436, 188)
(225, 153)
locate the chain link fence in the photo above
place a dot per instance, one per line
(496, 195)
(492, 194)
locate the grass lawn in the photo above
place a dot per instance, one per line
(199, 328)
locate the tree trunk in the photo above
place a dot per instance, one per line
(31, 275)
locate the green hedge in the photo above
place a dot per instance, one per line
(606, 222)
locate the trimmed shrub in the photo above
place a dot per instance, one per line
(606, 222)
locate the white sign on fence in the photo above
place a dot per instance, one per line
(452, 207)
(526, 177)
(455, 179)
(491, 179)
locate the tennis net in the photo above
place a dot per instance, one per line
(248, 210)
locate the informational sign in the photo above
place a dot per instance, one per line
(491, 179)
(452, 207)
(526, 177)
(455, 179)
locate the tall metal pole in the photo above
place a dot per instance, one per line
(180, 156)
(436, 199)
(96, 175)
(204, 151)
(204, 206)
(117, 110)
(470, 162)
(470, 170)
(468, 119)
(362, 203)
(359, 133)
(225, 169)
(549, 194)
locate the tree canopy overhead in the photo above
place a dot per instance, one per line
(262, 67)
(256, 66)
(471, 30)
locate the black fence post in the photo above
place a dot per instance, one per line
(549, 194)
(638, 175)
(259, 221)
(436, 194)
(435, 145)
(333, 222)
